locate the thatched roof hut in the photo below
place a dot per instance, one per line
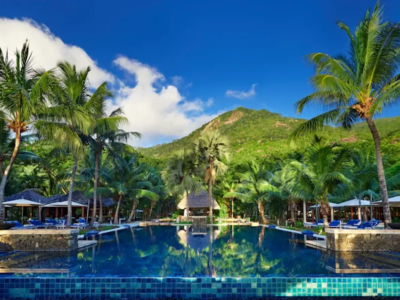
(29, 194)
(197, 200)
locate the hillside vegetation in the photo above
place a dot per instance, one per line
(263, 134)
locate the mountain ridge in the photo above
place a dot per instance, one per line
(261, 133)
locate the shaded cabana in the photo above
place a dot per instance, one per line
(353, 204)
(31, 195)
(197, 200)
(22, 203)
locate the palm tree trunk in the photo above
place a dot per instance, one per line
(151, 209)
(132, 211)
(96, 178)
(100, 209)
(324, 207)
(210, 201)
(117, 210)
(71, 188)
(1, 167)
(6, 172)
(261, 211)
(232, 206)
(187, 206)
(381, 171)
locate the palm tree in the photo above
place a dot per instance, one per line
(179, 175)
(21, 100)
(104, 135)
(123, 180)
(255, 187)
(213, 150)
(359, 86)
(71, 115)
(225, 186)
(324, 173)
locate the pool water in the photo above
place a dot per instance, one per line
(228, 251)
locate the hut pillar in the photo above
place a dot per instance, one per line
(304, 211)
(359, 213)
(332, 214)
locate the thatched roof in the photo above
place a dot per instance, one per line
(197, 200)
(29, 194)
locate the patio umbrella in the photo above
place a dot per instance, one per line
(65, 204)
(354, 203)
(330, 204)
(22, 203)
(393, 202)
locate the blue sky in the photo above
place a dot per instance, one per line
(210, 46)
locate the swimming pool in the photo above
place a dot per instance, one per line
(230, 261)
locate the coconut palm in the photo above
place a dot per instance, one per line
(125, 180)
(213, 150)
(324, 173)
(255, 187)
(225, 186)
(22, 98)
(179, 175)
(105, 135)
(71, 115)
(359, 86)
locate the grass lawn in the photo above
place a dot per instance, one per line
(102, 228)
(301, 228)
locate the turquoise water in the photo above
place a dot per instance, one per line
(168, 251)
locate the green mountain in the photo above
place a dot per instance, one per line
(263, 134)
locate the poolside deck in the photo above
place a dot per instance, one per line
(318, 244)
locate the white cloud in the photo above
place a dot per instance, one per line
(159, 114)
(47, 49)
(153, 108)
(177, 80)
(242, 94)
(210, 102)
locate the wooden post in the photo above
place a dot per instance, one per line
(30, 212)
(351, 213)
(312, 215)
(332, 214)
(83, 212)
(57, 212)
(304, 211)
(359, 213)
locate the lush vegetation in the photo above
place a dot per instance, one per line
(56, 137)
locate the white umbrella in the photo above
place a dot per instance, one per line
(65, 204)
(22, 203)
(354, 203)
(394, 201)
(330, 204)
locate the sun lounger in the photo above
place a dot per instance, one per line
(367, 225)
(353, 222)
(38, 224)
(18, 225)
(82, 222)
(335, 224)
(54, 223)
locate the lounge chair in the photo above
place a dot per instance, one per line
(353, 222)
(54, 223)
(243, 221)
(307, 233)
(367, 225)
(335, 224)
(18, 225)
(82, 222)
(38, 224)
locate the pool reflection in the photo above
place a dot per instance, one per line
(167, 251)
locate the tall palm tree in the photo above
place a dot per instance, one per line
(255, 187)
(21, 100)
(213, 150)
(324, 172)
(225, 186)
(104, 135)
(179, 175)
(358, 86)
(71, 115)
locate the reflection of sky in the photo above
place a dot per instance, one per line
(176, 251)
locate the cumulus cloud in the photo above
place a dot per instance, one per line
(47, 49)
(242, 94)
(154, 108)
(161, 113)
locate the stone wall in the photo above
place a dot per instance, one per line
(362, 240)
(39, 240)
